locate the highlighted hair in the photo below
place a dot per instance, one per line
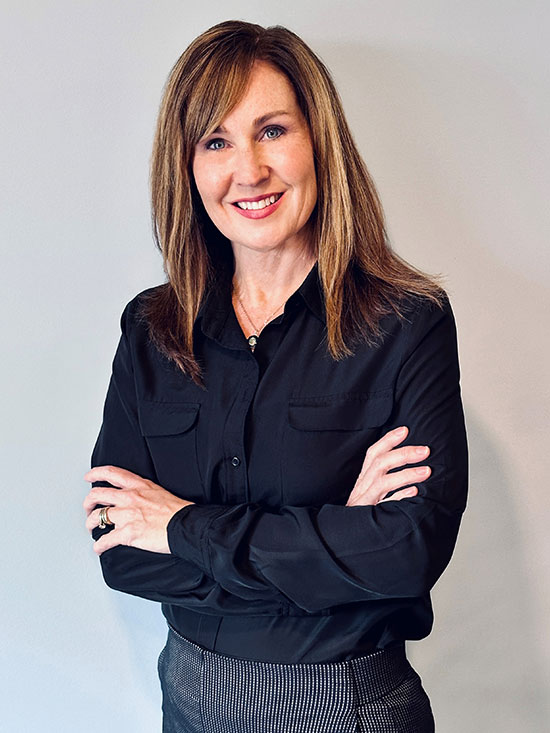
(362, 278)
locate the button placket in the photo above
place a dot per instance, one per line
(237, 480)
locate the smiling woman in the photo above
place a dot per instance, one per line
(256, 470)
(261, 169)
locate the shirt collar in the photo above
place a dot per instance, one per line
(217, 319)
(312, 293)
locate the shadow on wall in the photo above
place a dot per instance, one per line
(464, 143)
(482, 665)
(147, 632)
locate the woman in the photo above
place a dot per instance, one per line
(257, 469)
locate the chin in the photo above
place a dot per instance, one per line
(262, 241)
(262, 246)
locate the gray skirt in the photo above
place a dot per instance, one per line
(207, 692)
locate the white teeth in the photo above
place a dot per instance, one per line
(258, 204)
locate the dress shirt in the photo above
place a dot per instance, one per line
(269, 564)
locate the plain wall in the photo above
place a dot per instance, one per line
(449, 105)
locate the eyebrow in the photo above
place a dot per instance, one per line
(258, 121)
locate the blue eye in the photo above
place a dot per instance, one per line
(213, 144)
(271, 133)
(277, 130)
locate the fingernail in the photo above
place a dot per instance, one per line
(422, 450)
(423, 469)
(401, 431)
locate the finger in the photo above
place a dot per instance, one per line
(385, 443)
(374, 493)
(402, 456)
(382, 462)
(104, 495)
(106, 541)
(114, 475)
(360, 500)
(401, 478)
(368, 498)
(390, 439)
(403, 494)
(93, 518)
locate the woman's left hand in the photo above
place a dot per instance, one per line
(139, 509)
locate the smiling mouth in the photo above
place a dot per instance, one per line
(260, 204)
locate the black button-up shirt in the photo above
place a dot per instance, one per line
(269, 563)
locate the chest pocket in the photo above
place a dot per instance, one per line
(325, 445)
(170, 429)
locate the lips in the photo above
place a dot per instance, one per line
(259, 202)
(260, 197)
(260, 206)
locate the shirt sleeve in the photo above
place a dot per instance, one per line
(155, 576)
(318, 557)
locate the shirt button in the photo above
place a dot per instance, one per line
(235, 461)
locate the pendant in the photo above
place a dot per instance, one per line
(252, 341)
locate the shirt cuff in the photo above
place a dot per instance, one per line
(187, 534)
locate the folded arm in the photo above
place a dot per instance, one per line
(314, 557)
(153, 575)
(318, 557)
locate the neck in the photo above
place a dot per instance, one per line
(263, 279)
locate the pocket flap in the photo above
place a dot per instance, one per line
(167, 418)
(367, 411)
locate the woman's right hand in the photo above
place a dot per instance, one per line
(374, 482)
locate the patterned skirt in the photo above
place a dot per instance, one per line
(207, 692)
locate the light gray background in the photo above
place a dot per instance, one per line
(449, 105)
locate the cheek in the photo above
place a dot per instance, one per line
(208, 182)
(301, 169)
(304, 174)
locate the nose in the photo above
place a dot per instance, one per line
(250, 168)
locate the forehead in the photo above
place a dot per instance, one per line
(267, 79)
(268, 91)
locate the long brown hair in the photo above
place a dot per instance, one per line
(361, 277)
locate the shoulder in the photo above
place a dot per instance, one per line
(134, 313)
(407, 313)
(427, 312)
(420, 309)
(428, 322)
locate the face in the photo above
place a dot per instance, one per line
(255, 173)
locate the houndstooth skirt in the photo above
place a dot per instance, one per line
(207, 692)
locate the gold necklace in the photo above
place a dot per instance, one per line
(253, 338)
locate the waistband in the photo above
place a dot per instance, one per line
(366, 678)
